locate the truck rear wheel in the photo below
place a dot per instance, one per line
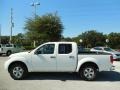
(88, 73)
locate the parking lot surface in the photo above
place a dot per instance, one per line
(59, 81)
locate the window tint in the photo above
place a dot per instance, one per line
(8, 45)
(15, 46)
(65, 48)
(46, 49)
(98, 48)
(108, 49)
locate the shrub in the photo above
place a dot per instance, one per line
(28, 47)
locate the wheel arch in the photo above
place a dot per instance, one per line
(18, 62)
(8, 51)
(88, 60)
(89, 63)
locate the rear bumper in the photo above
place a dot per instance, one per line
(118, 59)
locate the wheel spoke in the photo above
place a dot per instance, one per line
(17, 68)
(18, 72)
(92, 72)
(89, 73)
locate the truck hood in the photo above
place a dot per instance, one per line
(21, 54)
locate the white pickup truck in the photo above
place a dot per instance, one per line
(9, 49)
(58, 57)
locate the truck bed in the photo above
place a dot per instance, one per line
(103, 59)
(92, 53)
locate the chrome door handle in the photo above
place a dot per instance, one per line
(71, 56)
(52, 57)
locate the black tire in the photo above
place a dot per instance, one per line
(88, 73)
(18, 71)
(9, 53)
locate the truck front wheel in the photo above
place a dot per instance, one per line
(9, 53)
(18, 71)
(88, 73)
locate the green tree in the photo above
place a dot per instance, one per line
(44, 28)
(114, 40)
(18, 39)
(5, 39)
(66, 39)
(91, 38)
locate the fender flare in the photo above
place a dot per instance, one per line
(86, 60)
(18, 59)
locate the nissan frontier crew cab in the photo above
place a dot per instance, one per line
(58, 57)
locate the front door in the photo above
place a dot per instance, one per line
(44, 59)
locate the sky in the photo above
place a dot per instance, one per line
(77, 16)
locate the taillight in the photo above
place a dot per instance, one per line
(111, 59)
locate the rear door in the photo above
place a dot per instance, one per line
(66, 57)
(8, 47)
(16, 48)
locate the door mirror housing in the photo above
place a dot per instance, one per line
(38, 52)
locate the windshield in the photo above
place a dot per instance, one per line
(108, 49)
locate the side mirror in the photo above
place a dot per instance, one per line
(38, 52)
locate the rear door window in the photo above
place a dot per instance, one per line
(8, 45)
(97, 48)
(65, 48)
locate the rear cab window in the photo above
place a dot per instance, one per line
(64, 48)
(108, 49)
(97, 48)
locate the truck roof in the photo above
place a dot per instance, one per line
(61, 42)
